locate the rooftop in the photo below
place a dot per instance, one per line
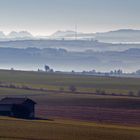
(9, 100)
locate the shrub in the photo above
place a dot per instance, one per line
(98, 91)
(103, 92)
(12, 86)
(138, 94)
(26, 87)
(131, 93)
(72, 88)
(61, 89)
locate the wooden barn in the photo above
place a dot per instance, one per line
(17, 107)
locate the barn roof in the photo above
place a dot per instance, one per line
(8, 100)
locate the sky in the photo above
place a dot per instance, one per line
(44, 17)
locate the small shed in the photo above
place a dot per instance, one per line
(17, 107)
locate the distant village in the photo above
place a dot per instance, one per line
(114, 73)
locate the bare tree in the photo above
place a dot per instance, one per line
(47, 68)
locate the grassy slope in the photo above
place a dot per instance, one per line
(13, 129)
(83, 83)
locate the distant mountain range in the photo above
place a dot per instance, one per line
(22, 34)
(64, 34)
(72, 35)
(16, 35)
(123, 35)
(117, 36)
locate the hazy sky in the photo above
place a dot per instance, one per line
(46, 16)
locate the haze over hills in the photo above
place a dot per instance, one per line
(74, 41)
(78, 51)
(70, 45)
(61, 59)
(22, 49)
(2, 35)
(117, 36)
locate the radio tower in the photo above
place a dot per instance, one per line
(75, 32)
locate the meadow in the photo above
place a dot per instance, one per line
(62, 82)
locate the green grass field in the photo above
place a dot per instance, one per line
(82, 83)
(14, 129)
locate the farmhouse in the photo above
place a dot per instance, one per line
(17, 107)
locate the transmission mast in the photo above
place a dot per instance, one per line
(75, 32)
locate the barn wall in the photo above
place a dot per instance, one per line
(31, 108)
(5, 110)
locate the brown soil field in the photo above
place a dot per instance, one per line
(100, 109)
